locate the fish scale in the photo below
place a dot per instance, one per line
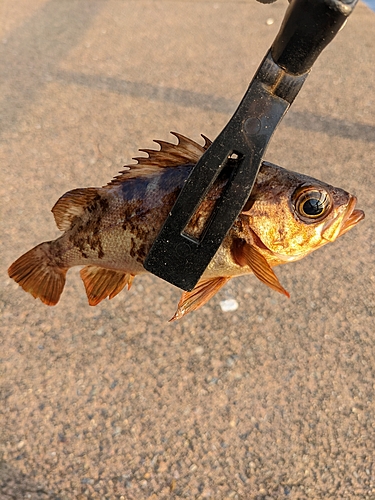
(111, 229)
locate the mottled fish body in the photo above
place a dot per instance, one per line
(110, 230)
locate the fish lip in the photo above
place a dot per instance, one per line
(350, 218)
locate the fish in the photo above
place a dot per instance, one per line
(109, 230)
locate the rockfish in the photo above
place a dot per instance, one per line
(110, 230)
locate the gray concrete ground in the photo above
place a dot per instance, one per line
(272, 401)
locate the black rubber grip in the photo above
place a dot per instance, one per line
(308, 27)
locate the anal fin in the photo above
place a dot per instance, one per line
(201, 293)
(101, 283)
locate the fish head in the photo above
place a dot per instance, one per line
(291, 214)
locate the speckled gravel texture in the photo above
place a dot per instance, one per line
(272, 401)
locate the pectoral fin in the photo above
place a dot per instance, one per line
(101, 283)
(248, 255)
(201, 293)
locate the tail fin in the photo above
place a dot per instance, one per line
(37, 273)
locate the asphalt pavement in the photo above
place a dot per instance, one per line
(274, 400)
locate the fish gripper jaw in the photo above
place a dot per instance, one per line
(308, 26)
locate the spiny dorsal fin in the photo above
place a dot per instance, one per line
(101, 283)
(185, 152)
(248, 255)
(201, 293)
(71, 205)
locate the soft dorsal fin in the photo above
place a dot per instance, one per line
(247, 255)
(71, 205)
(185, 152)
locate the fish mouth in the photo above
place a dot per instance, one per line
(339, 226)
(355, 217)
(351, 217)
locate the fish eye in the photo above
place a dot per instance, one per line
(311, 204)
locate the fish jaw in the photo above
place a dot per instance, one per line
(344, 222)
